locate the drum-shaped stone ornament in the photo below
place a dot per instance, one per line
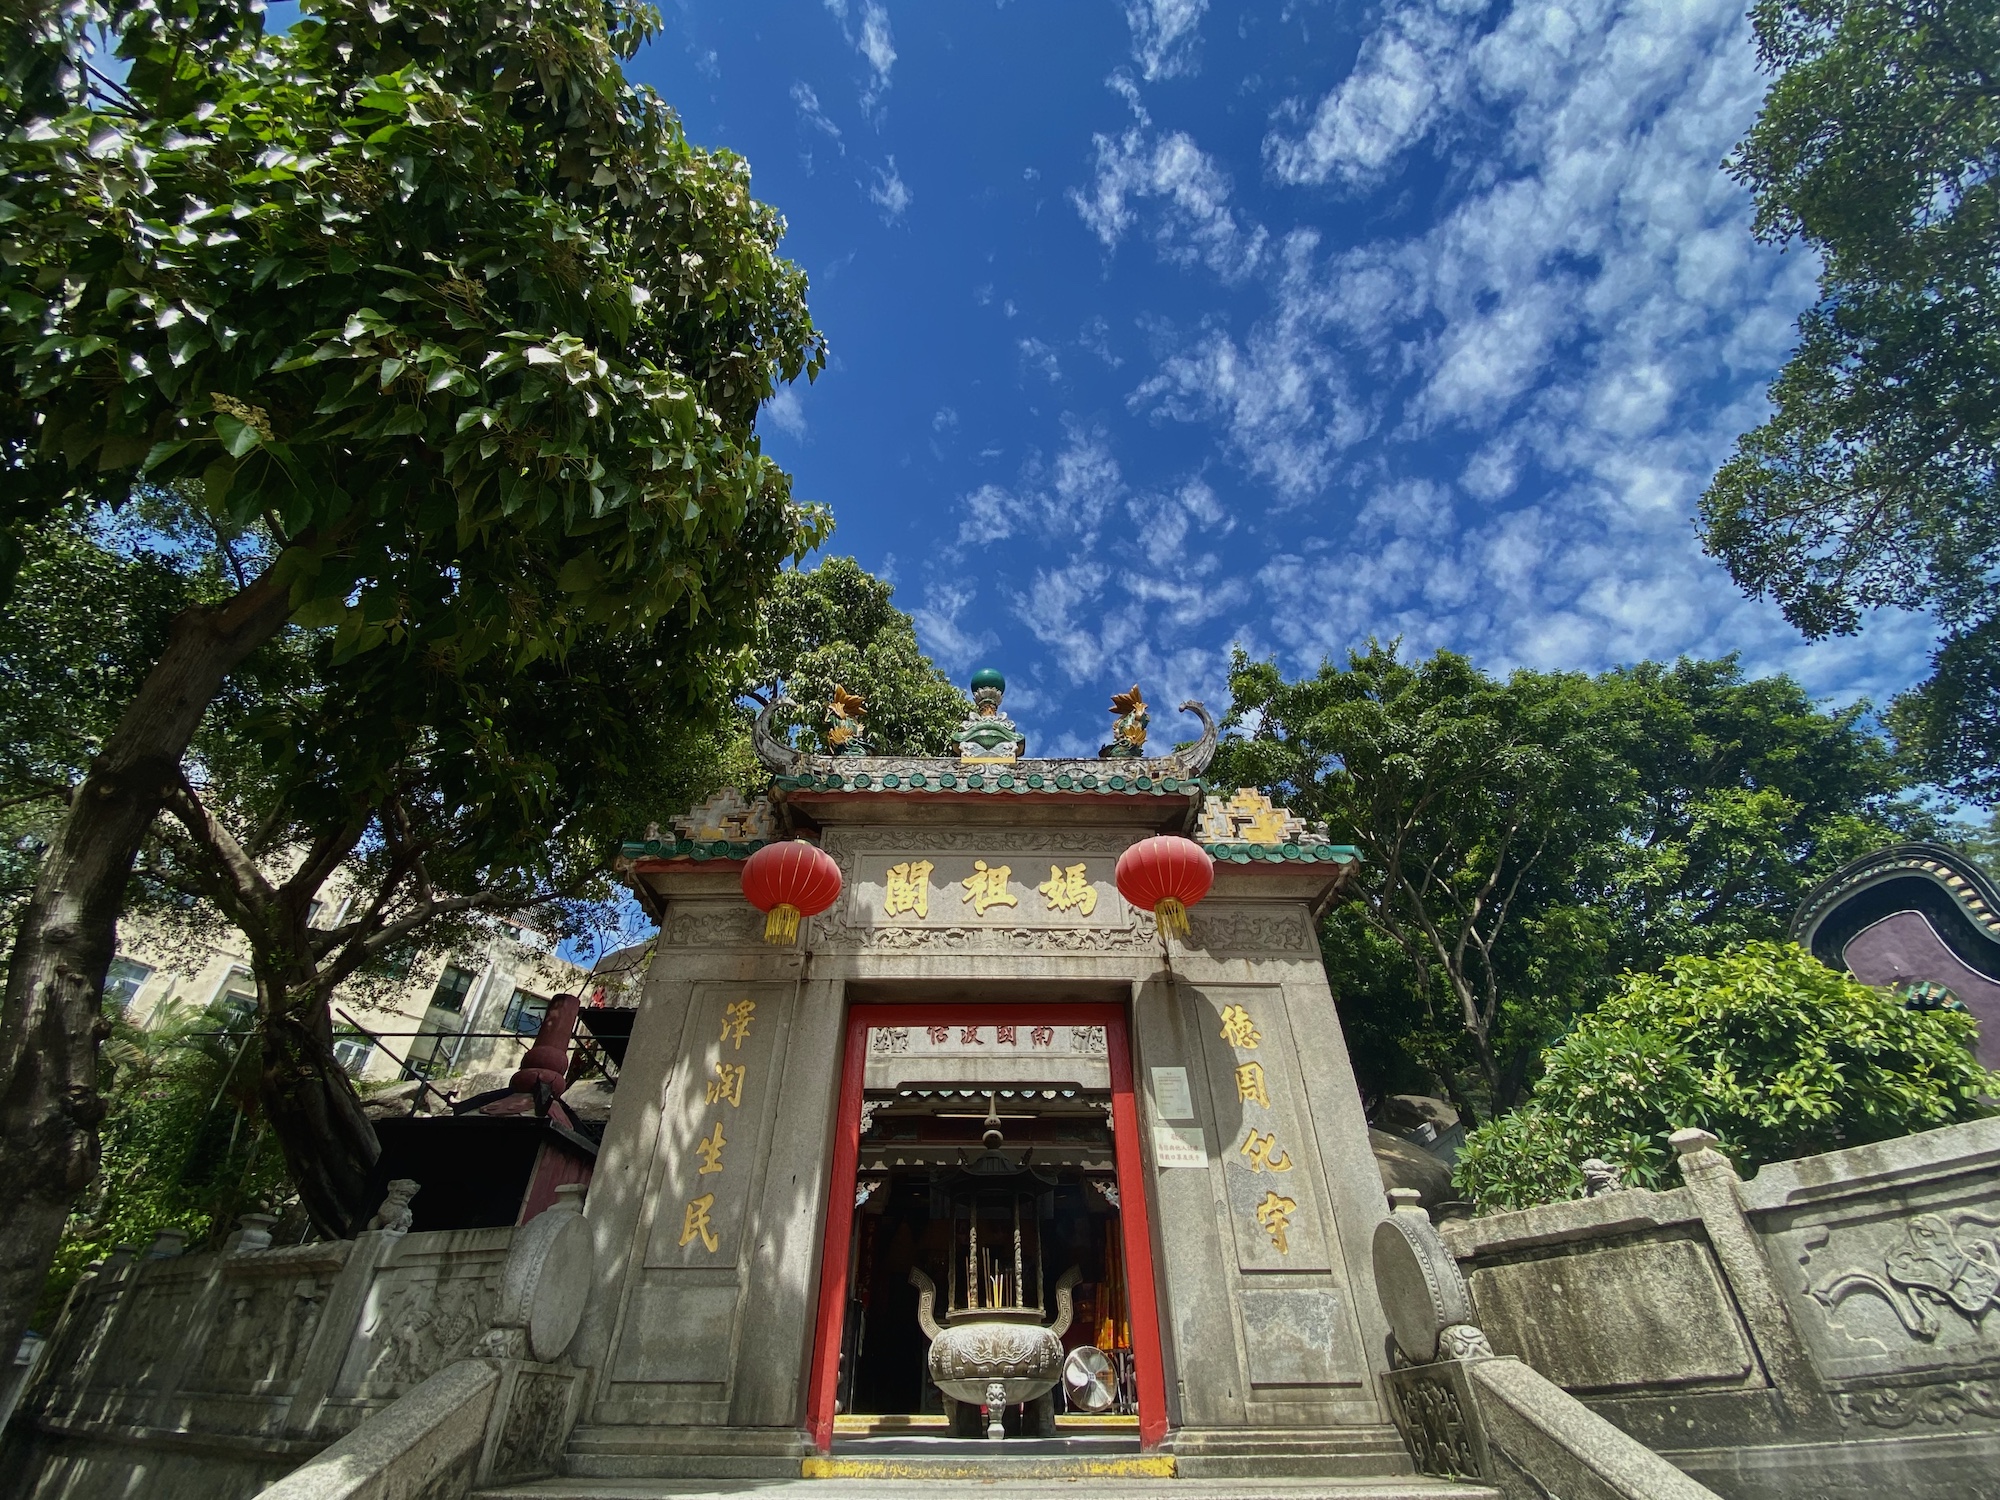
(1419, 1283)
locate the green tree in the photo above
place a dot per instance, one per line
(429, 292)
(833, 625)
(185, 1142)
(1746, 794)
(1697, 808)
(1477, 806)
(1874, 482)
(1774, 1052)
(442, 799)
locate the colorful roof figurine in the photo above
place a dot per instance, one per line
(1243, 828)
(989, 737)
(847, 731)
(1128, 728)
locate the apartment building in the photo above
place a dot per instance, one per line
(472, 1008)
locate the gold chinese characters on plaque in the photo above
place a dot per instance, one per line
(724, 1088)
(917, 891)
(1261, 1151)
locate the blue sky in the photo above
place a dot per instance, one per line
(1161, 326)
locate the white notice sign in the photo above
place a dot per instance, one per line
(1180, 1146)
(1171, 1096)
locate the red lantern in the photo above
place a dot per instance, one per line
(787, 881)
(1167, 874)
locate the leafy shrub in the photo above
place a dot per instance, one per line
(1763, 1045)
(185, 1145)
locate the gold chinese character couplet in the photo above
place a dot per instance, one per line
(736, 1017)
(727, 1084)
(694, 1223)
(1238, 1029)
(710, 1146)
(909, 889)
(1275, 1214)
(1250, 1085)
(986, 887)
(1069, 889)
(1263, 1151)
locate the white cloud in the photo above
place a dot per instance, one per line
(890, 193)
(1406, 72)
(1042, 358)
(877, 47)
(1570, 312)
(809, 111)
(876, 44)
(954, 646)
(1197, 223)
(1164, 35)
(1283, 396)
(785, 413)
(1095, 338)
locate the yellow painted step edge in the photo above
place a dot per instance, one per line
(1155, 1466)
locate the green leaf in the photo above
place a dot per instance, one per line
(238, 437)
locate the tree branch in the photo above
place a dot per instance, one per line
(251, 891)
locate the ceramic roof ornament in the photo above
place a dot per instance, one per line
(989, 737)
(846, 731)
(1128, 728)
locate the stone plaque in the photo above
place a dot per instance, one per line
(678, 1329)
(1270, 1182)
(721, 1095)
(994, 887)
(1624, 1318)
(1299, 1337)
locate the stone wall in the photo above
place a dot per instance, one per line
(213, 1375)
(1825, 1329)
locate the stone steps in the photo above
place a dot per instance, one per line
(1001, 1484)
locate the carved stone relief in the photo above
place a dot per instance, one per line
(537, 1422)
(1243, 930)
(1436, 1422)
(713, 927)
(266, 1325)
(1962, 1403)
(1937, 1266)
(421, 1324)
(1893, 1289)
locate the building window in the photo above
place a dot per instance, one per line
(525, 1012)
(235, 1005)
(429, 1055)
(124, 979)
(452, 987)
(313, 909)
(351, 1052)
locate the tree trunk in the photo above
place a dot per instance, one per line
(329, 1144)
(49, 1105)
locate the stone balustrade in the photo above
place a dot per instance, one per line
(1825, 1328)
(215, 1375)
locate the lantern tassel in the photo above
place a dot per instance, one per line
(1172, 917)
(781, 924)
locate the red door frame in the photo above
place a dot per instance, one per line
(1142, 1301)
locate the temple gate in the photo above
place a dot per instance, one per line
(982, 1036)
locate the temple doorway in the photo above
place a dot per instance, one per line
(988, 1274)
(998, 1202)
